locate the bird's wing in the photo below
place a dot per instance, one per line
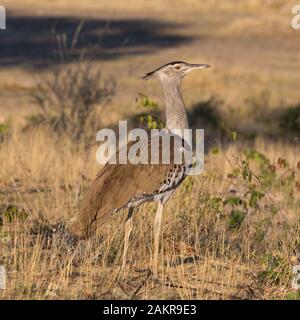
(114, 186)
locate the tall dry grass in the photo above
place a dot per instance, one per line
(201, 256)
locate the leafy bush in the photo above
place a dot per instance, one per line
(152, 118)
(272, 272)
(236, 219)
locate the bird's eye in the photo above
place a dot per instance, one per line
(177, 67)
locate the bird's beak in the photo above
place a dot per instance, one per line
(196, 66)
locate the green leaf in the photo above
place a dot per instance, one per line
(11, 213)
(254, 198)
(233, 201)
(215, 202)
(292, 295)
(236, 219)
(215, 150)
(234, 135)
(3, 128)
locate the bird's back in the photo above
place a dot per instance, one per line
(126, 185)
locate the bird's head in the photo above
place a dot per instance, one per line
(175, 70)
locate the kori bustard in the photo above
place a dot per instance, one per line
(119, 186)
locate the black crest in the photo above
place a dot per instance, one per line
(150, 74)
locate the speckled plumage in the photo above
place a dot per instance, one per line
(120, 186)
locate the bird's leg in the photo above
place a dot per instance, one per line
(156, 229)
(128, 228)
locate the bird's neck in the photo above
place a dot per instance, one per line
(176, 116)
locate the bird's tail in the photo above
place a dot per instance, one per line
(92, 215)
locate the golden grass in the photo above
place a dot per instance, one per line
(157, 5)
(200, 257)
(253, 52)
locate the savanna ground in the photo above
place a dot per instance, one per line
(231, 233)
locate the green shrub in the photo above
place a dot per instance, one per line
(236, 219)
(152, 118)
(12, 213)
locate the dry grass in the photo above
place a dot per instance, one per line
(202, 256)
